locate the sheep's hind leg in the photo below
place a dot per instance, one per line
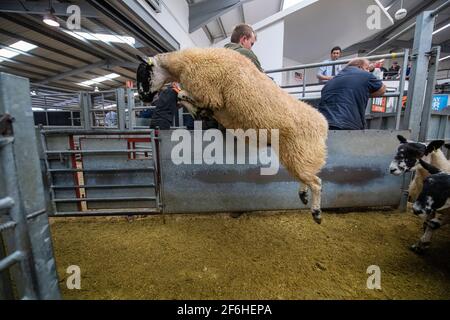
(303, 193)
(315, 185)
(316, 189)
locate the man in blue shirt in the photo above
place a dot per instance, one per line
(344, 98)
(326, 73)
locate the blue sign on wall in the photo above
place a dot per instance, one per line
(440, 102)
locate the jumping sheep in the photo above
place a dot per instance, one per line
(242, 97)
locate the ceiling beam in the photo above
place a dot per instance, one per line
(22, 72)
(138, 22)
(368, 45)
(53, 34)
(241, 9)
(109, 46)
(74, 72)
(44, 46)
(59, 36)
(102, 48)
(84, 45)
(102, 24)
(222, 28)
(208, 34)
(42, 7)
(391, 3)
(60, 63)
(357, 47)
(109, 64)
(27, 63)
(201, 13)
(33, 55)
(412, 13)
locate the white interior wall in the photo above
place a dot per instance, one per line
(269, 48)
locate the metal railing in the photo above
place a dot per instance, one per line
(112, 172)
(19, 243)
(57, 110)
(397, 94)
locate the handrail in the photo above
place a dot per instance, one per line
(393, 38)
(95, 132)
(440, 8)
(396, 36)
(330, 63)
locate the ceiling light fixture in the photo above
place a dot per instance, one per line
(49, 17)
(401, 13)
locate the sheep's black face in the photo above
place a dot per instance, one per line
(434, 196)
(407, 156)
(409, 153)
(144, 78)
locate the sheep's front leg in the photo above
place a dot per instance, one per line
(424, 243)
(188, 102)
(438, 221)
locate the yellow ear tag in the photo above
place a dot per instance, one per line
(150, 61)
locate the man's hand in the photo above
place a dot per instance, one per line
(380, 92)
(324, 78)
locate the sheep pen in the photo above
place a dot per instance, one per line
(261, 255)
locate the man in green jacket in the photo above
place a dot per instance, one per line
(242, 40)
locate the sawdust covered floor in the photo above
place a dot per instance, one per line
(278, 255)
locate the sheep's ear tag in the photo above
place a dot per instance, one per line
(150, 61)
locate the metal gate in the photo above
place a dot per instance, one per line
(27, 265)
(102, 172)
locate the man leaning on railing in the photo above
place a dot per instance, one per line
(344, 98)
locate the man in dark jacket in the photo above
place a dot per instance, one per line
(166, 107)
(242, 40)
(344, 98)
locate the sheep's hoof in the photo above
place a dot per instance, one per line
(420, 247)
(303, 196)
(236, 215)
(317, 215)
